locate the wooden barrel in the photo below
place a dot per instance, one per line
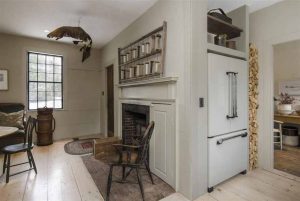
(45, 126)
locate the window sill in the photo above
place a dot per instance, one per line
(54, 110)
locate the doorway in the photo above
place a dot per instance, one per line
(286, 135)
(110, 100)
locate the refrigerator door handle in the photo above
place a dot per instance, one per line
(232, 82)
(235, 84)
(230, 105)
(232, 76)
(220, 141)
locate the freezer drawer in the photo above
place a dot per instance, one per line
(227, 156)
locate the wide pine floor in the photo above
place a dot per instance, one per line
(62, 177)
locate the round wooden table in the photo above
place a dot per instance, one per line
(4, 131)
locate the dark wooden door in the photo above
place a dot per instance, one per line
(110, 100)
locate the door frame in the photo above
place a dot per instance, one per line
(106, 102)
(266, 89)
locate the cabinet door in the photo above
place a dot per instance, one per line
(218, 94)
(240, 67)
(162, 145)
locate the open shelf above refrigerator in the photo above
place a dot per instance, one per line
(217, 26)
(237, 32)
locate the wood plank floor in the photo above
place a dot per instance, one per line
(258, 185)
(62, 177)
(288, 160)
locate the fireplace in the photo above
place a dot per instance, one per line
(135, 119)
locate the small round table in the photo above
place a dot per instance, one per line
(4, 131)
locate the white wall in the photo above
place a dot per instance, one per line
(185, 59)
(270, 26)
(286, 63)
(81, 113)
(170, 11)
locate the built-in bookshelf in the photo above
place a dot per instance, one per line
(144, 58)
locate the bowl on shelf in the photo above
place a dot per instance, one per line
(285, 112)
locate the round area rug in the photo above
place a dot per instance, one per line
(80, 147)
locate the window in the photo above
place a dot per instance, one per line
(45, 81)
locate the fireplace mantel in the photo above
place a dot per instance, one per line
(162, 80)
(155, 89)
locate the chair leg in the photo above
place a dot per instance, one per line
(29, 159)
(32, 160)
(7, 168)
(123, 172)
(109, 180)
(280, 129)
(4, 163)
(140, 182)
(149, 172)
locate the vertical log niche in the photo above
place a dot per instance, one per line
(253, 106)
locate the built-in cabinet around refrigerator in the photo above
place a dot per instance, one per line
(227, 118)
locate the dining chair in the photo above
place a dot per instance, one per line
(27, 146)
(277, 130)
(132, 157)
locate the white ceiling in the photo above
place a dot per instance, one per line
(102, 19)
(228, 5)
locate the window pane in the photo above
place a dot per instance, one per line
(49, 77)
(41, 104)
(57, 69)
(57, 61)
(32, 96)
(41, 96)
(50, 103)
(57, 77)
(50, 87)
(32, 58)
(42, 87)
(49, 60)
(58, 103)
(32, 105)
(41, 59)
(57, 87)
(50, 99)
(57, 95)
(32, 86)
(49, 69)
(41, 68)
(41, 77)
(50, 95)
(32, 76)
(32, 67)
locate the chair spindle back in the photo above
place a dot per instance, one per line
(31, 123)
(145, 142)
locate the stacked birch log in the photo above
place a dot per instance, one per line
(253, 106)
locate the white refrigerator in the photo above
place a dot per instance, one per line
(227, 118)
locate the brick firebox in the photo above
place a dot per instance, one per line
(135, 119)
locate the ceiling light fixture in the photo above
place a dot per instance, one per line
(46, 31)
